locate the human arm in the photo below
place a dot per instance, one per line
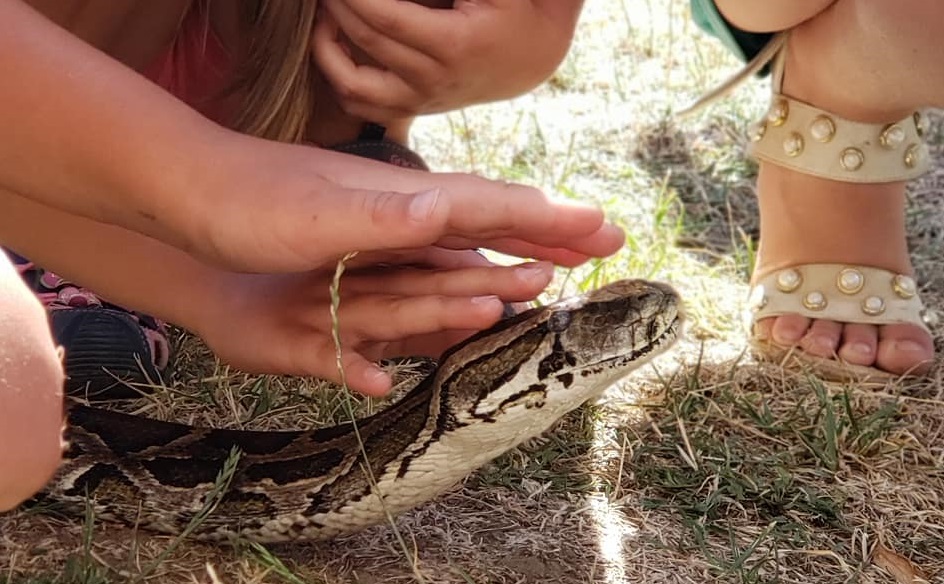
(84, 134)
(279, 323)
(425, 60)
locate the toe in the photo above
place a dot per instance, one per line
(789, 329)
(859, 344)
(822, 338)
(904, 348)
(763, 329)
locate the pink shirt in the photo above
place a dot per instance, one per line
(196, 67)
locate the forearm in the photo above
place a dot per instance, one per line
(770, 15)
(82, 133)
(122, 266)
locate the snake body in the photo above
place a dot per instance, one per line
(490, 393)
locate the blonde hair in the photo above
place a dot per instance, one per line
(275, 75)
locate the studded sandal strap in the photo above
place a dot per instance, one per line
(807, 139)
(839, 292)
(804, 138)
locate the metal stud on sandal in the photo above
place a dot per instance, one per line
(837, 292)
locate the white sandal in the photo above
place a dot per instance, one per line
(806, 139)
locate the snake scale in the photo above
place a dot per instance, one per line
(488, 394)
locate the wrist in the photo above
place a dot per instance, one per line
(182, 191)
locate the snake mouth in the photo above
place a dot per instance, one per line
(657, 345)
(664, 340)
(671, 333)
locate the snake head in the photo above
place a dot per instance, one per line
(618, 324)
(556, 357)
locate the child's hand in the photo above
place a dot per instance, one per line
(432, 60)
(282, 323)
(283, 208)
(399, 302)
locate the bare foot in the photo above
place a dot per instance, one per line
(804, 220)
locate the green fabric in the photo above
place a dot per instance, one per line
(742, 43)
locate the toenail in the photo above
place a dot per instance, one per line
(788, 337)
(863, 349)
(909, 347)
(823, 343)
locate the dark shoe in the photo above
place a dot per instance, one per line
(106, 347)
(372, 144)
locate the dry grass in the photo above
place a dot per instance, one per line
(709, 468)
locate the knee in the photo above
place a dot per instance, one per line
(31, 382)
(771, 15)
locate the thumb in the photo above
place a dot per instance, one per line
(367, 220)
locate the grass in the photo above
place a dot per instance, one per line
(707, 467)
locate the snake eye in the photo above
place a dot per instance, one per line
(558, 321)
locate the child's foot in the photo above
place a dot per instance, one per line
(809, 220)
(104, 344)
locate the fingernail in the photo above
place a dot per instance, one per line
(376, 376)
(533, 273)
(422, 205)
(614, 230)
(563, 201)
(485, 300)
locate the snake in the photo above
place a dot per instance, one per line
(486, 395)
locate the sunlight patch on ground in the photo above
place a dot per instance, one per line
(615, 531)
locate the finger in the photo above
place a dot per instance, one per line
(412, 25)
(510, 283)
(540, 218)
(315, 355)
(453, 205)
(519, 307)
(598, 246)
(362, 375)
(377, 44)
(364, 90)
(431, 345)
(426, 257)
(391, 108)
(335, 220)
(521, 249)
(375, 318)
